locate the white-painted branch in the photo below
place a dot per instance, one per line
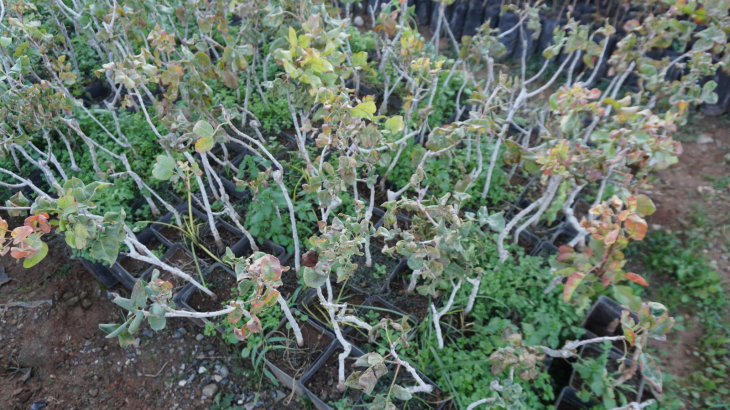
(290, 318)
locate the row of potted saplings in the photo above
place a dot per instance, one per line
(193, 251)
(601, 321)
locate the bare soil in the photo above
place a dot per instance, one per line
(365, 277)
(414, 304)
(73, 366)
(295, 360)
(220, 282)
(683, 193)
(324, 381)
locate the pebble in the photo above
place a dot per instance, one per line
(358, 21)
(211, 353)
(72, 301)
(199, 337)
(249, 406)
(93, 392)
(704, 139)
(217, 378)
(223, 371)
(182, 383)
(210, 390)
(148, 333)
(86, 303)
(202, 370)
(182, 331)
(67, 295)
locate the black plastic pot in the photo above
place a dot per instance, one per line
(491, 14)
(563, 236)
(568, 400)
(458, 18)
(545, 250)
(547, 34)
(474, 17)
(239, 245)
(723, 93)
(100, 272)
(604, 319)
(528, 242)
(168, 219)
(320, 403)
(95, 92)
(369, 288)
(524, 39)
(182, 297)
(674, 73)
(507, 22)
(600, 69)
(423, 12)
(126, 278)
(168, 258)
(593, 350)
(315, 337)
(311, 306)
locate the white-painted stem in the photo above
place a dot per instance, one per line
(289, 317)
(437, 315)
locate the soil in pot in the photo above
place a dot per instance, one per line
(372, 279)
(324, 381)
(292, 359)
(528, 243)
(313, 308)
(419, 401)
(220, 282)
(136, 267)
(563, 238)
(174, 234)
(414, 304)
(183, 261)
(208, 241)
(581, 210)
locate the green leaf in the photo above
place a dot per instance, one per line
(400, 393)
(645, 206)
(203, 129)
(625, 296)
(157, 318)
(164, 168)
(32, 261)
(571, 285)
(312, 278)
(134, 326)
(5, 41)
(394, 124)
(119, 330)
(204, 144)
(651, 371)
(105, 249)
(364, 110)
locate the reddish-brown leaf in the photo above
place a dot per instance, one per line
(636, 278)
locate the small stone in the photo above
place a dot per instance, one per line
(249, 406)
(83, 295)
(93, 392)
(358, 21)
(210, 390)
(727, 157)
(182, 331)
(200, 356)
(217, 378)
(73, 301)
(182, 383)
(86, 303)
(280, 395)
(704, 139)
(656, 227)
(148, 333)
(202, 370)
(67, 295)
(211, 353)
(223, 371)
(199, 337)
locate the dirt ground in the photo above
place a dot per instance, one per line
(56, 352)
(695, 195)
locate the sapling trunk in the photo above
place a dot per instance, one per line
(290, 318)
(414, 281)
(438, 314)
(346, 346)
(547, 198)
(208, 212)
(368, 215)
